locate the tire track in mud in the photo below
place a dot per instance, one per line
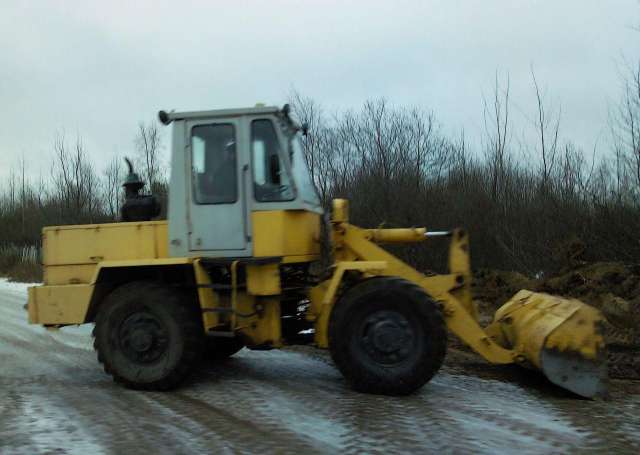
(252, 391)
(222, 430)
(416, 423)
(433, 418)
(354, 422)
(114, 419)
(509, 415)
(310, 398)
(614, 425)
(374, 427)
(11, 409)
(38, 354)
(43, 424)
(441, 432)
(375, 424)
(515, 410)
(123, 419)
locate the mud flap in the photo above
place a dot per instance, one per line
(560, 337)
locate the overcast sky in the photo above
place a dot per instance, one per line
(97, 68)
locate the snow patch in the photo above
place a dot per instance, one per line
(51, 430)
(75, 336)
(15, 288)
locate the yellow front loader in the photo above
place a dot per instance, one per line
(245, 260)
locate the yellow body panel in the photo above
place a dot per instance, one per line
(68, 274)
(292, 233)
(132, 263)
(53, 305)
(71, 253)
(259, 323)
(263, 279)
(69, 303)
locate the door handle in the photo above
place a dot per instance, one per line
(245, 217)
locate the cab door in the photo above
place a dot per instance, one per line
(218, 218)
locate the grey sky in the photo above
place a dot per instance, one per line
(99, 67)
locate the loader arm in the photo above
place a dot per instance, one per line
(452, 291)
(560, 337)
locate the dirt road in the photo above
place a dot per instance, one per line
(54, 398)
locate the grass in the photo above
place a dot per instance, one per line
(24, 272)
(14, 266)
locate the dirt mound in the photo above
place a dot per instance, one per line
(498, 286)
(612, 287)
(590, 282)
(492, 288)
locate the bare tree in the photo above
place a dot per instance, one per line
(147, 144)
(548, 126)
(12, 189)
(113, 179)
(627, 125)
(496, 124)
(23, 194)
(74, 180)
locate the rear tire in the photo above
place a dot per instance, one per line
(387, 336)
(148, 336)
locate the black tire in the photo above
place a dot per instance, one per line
(387, 336)
(218, 349)
(148, 336)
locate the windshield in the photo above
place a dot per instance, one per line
(301, 172)
(270, 178)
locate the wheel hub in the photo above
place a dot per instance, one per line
(141, 341)
(387, 337)
(142, 337)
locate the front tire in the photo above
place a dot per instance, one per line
(387, 336)
(148, 336)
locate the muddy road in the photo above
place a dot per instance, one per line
(54, 398)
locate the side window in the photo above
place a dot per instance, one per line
(270, 180)
(213, 164)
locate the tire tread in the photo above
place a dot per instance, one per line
(357, 374)
(181, 309)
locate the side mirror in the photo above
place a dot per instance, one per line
(274, 169)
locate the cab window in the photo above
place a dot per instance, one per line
(213, 163)
(270, 179)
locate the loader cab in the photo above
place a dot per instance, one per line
(239, 185)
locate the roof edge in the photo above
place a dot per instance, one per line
(168, 117)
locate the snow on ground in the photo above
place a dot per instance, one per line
(15, 288)
(76, 335)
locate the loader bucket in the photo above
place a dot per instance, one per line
(561, 337)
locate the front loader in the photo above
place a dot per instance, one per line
(245, 259)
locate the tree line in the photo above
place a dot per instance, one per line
(533, 207)
(530, 206)
(75, 191)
